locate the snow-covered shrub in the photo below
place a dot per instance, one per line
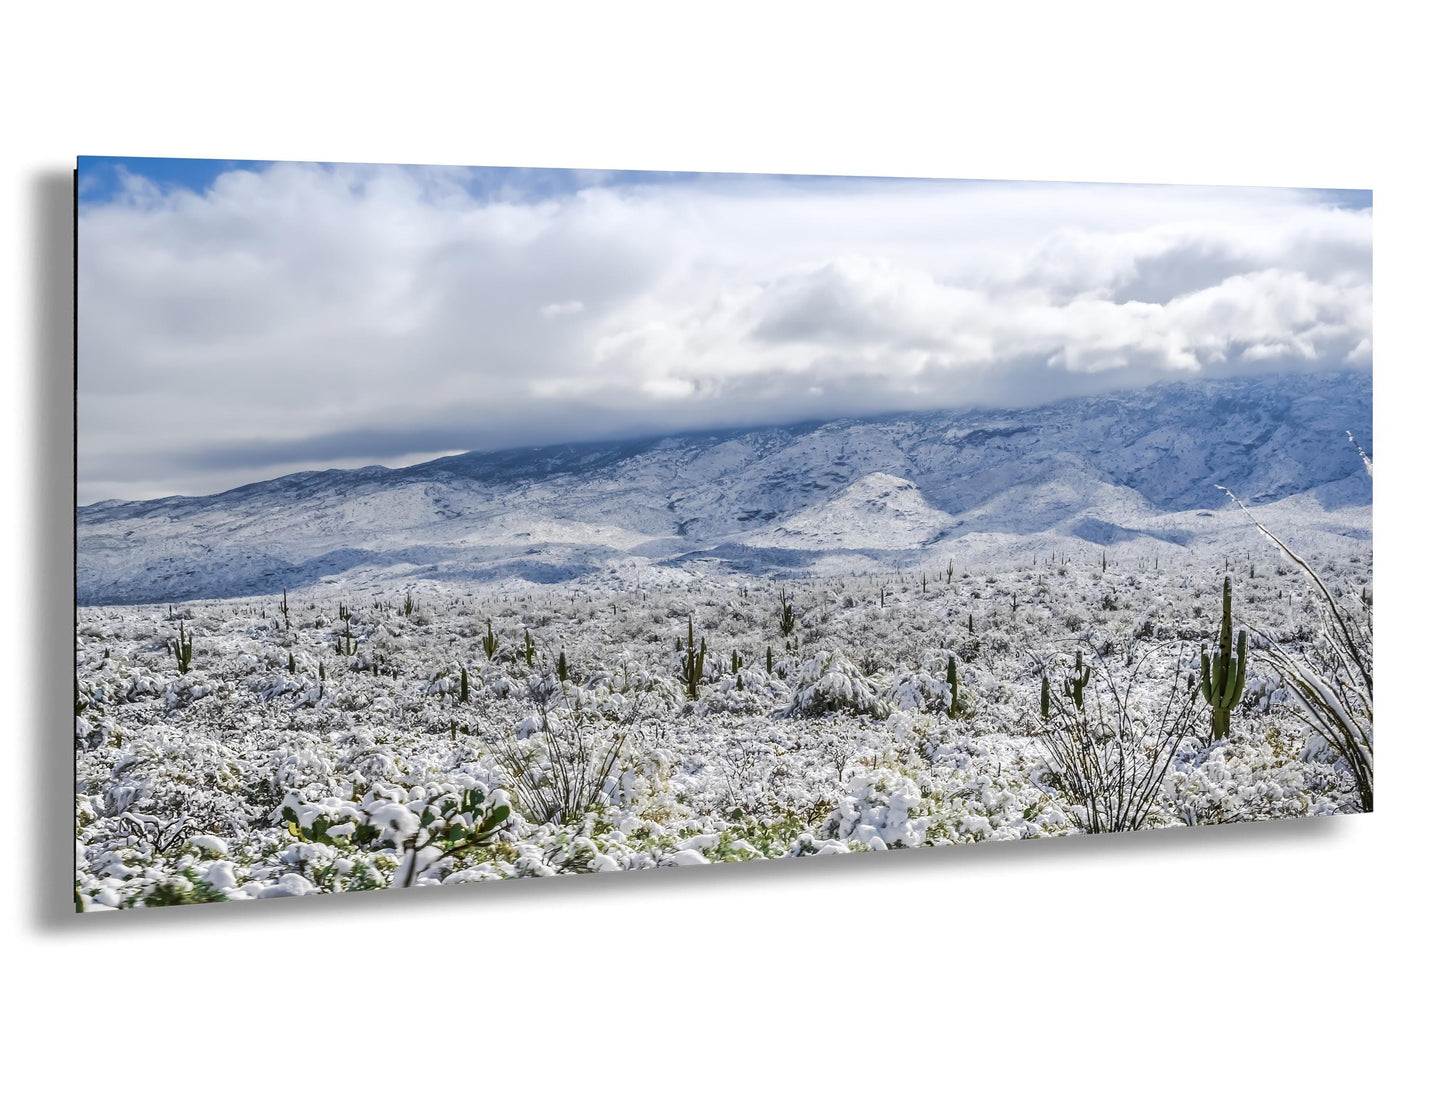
(831, 683)
(876, 812)
(420, 827)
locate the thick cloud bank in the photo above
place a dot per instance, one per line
(301, 316)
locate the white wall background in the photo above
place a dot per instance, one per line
(1293, 958)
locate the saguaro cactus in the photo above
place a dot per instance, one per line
(787, 621)
(953, 707)
(1221, 678)
(346, 644)
(490, 644)
(1074, 684)
(181, 650)
(529, 649)
(692, 662)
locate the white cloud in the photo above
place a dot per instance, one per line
(303, 316)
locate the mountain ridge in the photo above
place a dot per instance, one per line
(1100, 470)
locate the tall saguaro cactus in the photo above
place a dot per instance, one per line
(1074, 684)
(181, 650)
(1221, 678)
(692, 663)
(786, 621)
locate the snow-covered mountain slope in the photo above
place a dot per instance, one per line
(1133, 471)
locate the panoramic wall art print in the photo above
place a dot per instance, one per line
(442, 525)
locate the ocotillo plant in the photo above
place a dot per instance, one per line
(181, 650)
(692, 663)
(1221, 679)
(787, 621)
(490, 643)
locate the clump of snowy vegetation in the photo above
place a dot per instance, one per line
(364, 736)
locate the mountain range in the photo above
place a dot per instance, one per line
(1124, 473)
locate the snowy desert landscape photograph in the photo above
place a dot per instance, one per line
(449, 525)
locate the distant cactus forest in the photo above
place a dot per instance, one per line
(349, 737)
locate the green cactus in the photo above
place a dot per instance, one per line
(490, 644)
(1221, 678)
(1044, 697)
(466, 691)
(347, 644)
(529, 649)
(562, 666)
(953, 706)
(770, 660)
(181, 650)
(787, 621)
(737, 661)
(291, 663)
(1074, 684)
(692, 663)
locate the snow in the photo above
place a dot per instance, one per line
(244, 780)
(1131, 473)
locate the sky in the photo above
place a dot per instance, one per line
(240, 320)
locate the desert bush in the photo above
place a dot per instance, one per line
(1333, 683)
(1109, 753)
(563, 769)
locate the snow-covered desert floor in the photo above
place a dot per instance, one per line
(368, 736)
